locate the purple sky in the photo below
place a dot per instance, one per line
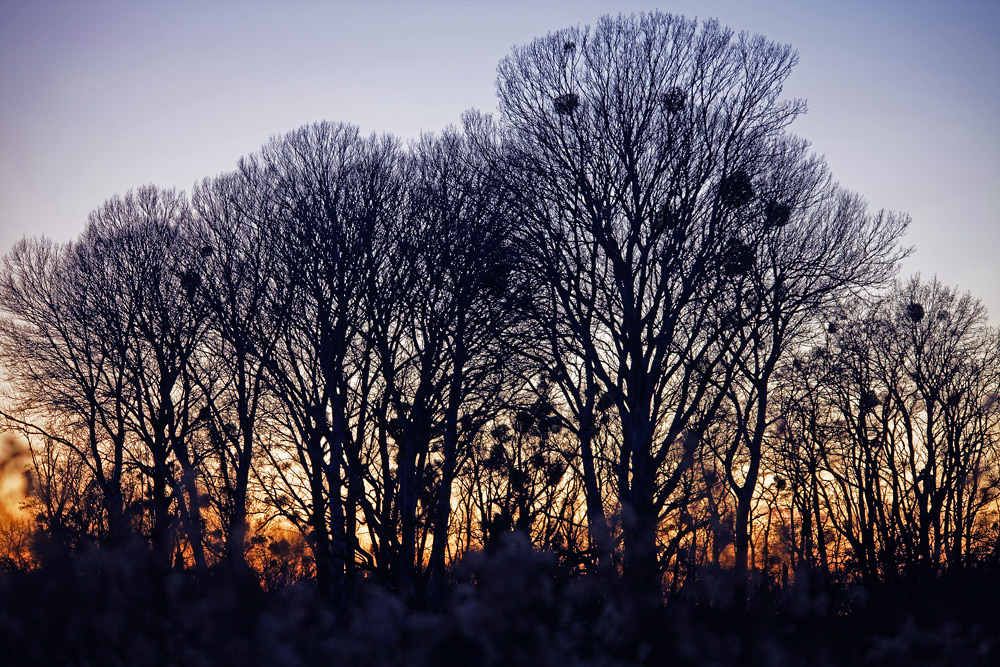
(98, 97)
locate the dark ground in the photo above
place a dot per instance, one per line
(513, 607)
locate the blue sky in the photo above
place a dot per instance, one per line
(103, 96)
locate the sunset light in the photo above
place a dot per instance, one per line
(453, 333)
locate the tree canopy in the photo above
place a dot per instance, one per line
(631, 319)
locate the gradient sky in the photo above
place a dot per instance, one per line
(97, 97)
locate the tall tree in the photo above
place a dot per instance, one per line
(631, 147)
(809, 245)
(332, 195)
(237, 285)
(64, 360)
(112, 321)
(142, 243)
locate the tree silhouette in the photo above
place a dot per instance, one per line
(641, 218)
(623, 358)
(815, 248)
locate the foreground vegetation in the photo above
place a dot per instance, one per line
(515, 605)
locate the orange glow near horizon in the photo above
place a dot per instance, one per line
(15, 458)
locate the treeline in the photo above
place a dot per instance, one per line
(632, 318)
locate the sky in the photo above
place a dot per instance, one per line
(103, 96)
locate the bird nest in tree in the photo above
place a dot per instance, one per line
(739, 259)
(777, 214)
(673, 100)
(915, 312)
(869, 401)
(736, 189)
(668, 218)
(190, 281)
(566, 104)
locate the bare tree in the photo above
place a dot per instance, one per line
(105, 335)
(891, 427)
(438, 313)
(330, 194)
(631, 147)
(141, 243)
(65, 368)
(939, 363)
(809, 245)
(237, 285)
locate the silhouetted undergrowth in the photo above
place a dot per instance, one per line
(513, 606)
